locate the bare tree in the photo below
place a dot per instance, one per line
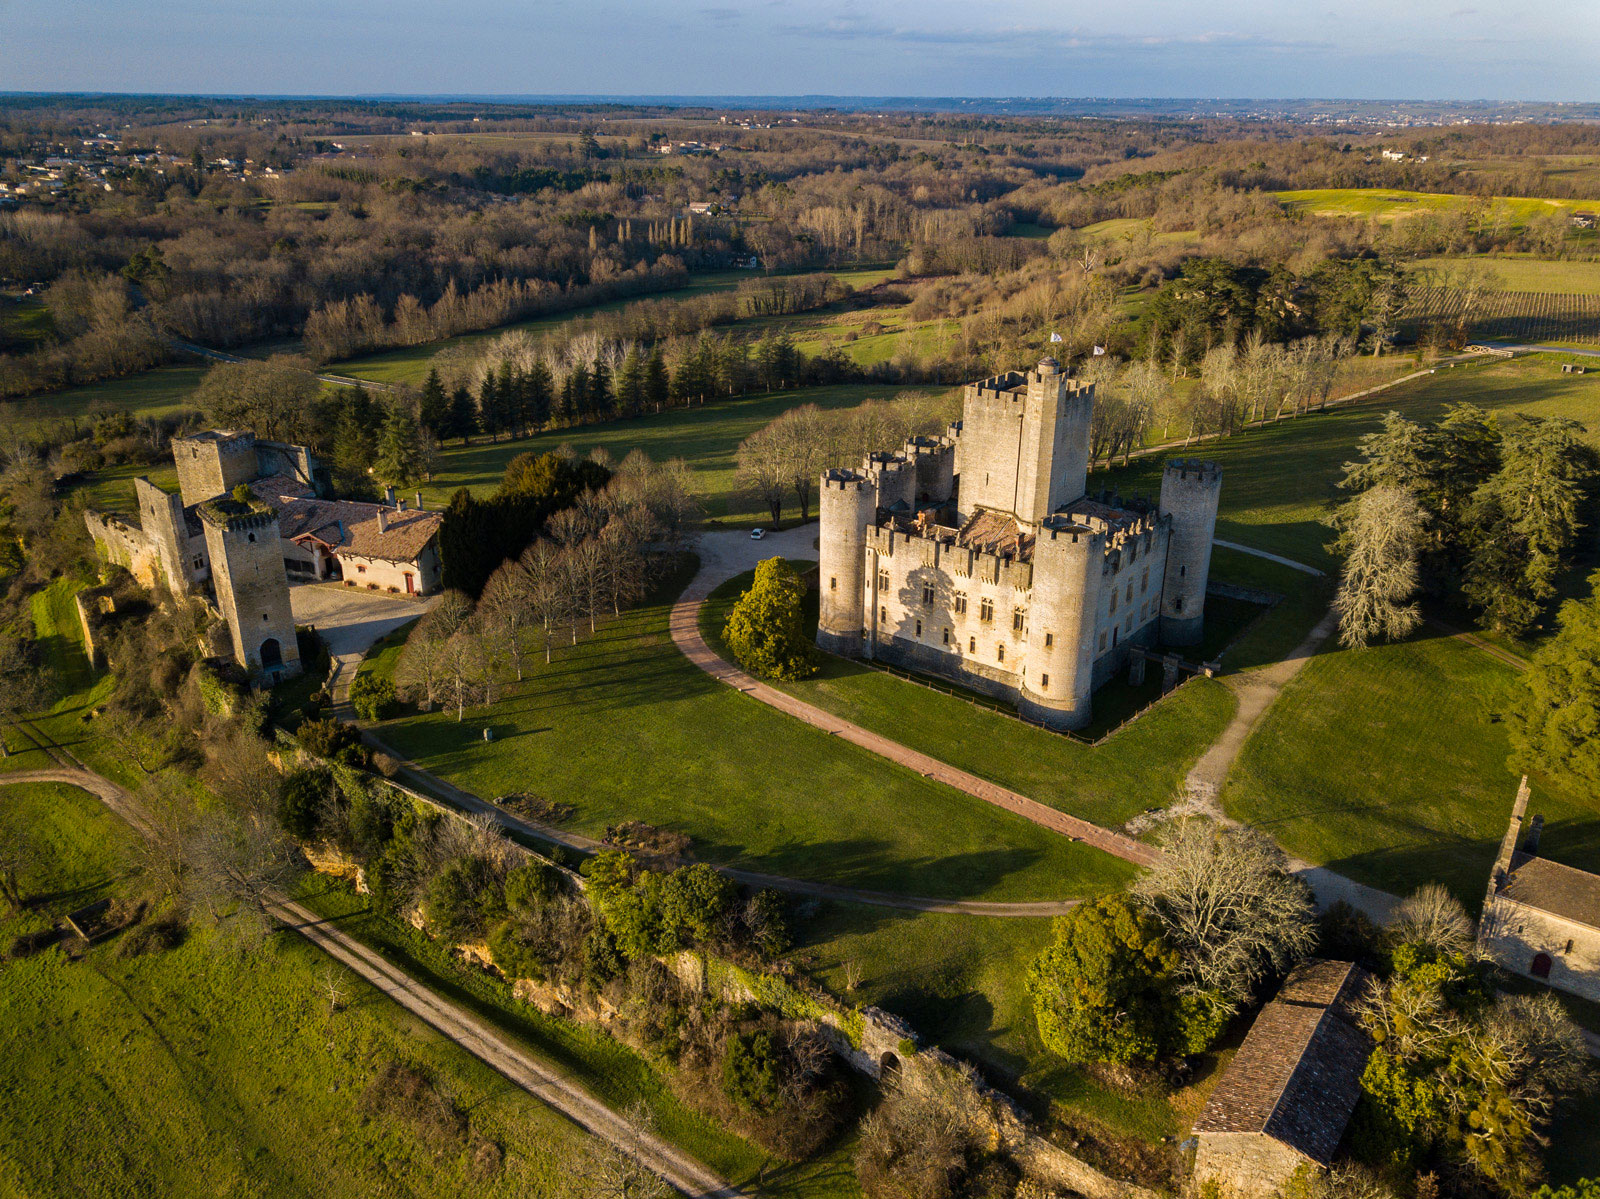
(423, 660)
(238, 864)
(551, 598)
(763, 468)
(1432, 917)
(1381, 532)
(506, 611)
(620, 1173)
(1229, 905)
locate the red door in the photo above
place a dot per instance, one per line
(410, 590)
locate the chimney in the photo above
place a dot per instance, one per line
(1530, 843)
(419, 501)
(400, 506)
(383, 519)
(388, 496)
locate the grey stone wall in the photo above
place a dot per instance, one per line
(210, 465)
(1189, 494)
(252, 592)
(1515, 934)
(846, 504)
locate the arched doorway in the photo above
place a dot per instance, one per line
(271, 653)
(888, 1065)
(1541, 966)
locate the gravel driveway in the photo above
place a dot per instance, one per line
(350, 620)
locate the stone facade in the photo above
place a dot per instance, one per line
(977, 556)
(247, 574)
(1541, 919)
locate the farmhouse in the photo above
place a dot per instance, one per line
(1288, 1093)
(977, 554)
(1541, 919)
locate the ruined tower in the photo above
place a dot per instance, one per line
(252, 590)
(1190, 490)
(1067, 565)
(848, 503)
(214, 463)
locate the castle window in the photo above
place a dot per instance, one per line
(927, 594)
(1568, 949)
(1113, 601)
(1113, 638)
(1044, 682)
(947, 636)
(252, 536)
(1144, 583)
(199, 562)
(883, 580)
(1127, 625)
(1182, 570)
(919, 628)
(1177, 604)
(1018, 619)
(1049, 640)
(833, 583)
(264, 616)
(960, 604)
(972, 645)
(1102, 643)
(1130, 591)
(1000, 653)
(883, 615)
(986, 611)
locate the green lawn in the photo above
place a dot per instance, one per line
(158, 392)
(1387, 204)
(623, 727)
(1389, 765)
(1523, 273)
(706, 437)
(200, 1071)
(1140, 766)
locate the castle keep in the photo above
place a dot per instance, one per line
(977, 555)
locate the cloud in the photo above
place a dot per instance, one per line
(1019, 38)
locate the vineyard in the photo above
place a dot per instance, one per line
(1519, 316)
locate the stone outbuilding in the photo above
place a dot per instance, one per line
(1287, 1096)
(1541, 919)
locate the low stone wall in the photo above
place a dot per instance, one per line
(1245, 1165)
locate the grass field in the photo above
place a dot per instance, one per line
(622, 726)
(1520, 272)
(706, 437)
(1389, 204)
(1141, 766)
(1118, 228)
(1389, 765)
(158, 392)
(201, 1071)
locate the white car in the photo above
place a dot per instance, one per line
(758, 534)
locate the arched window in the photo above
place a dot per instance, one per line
(1541, 966)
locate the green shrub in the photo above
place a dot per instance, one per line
(372, 696)
(302, 801)
(530, 886)
(461, 898)
(512, 954)
(765, 631)
(333, 740)
(752, 1071)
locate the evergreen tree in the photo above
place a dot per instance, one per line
(537, 385)
(489, 406)
(355, 442)
(463, 414)
(508, 391)
(1555, 719)
(630, 383)
(602, 401)
(399, 452)
(657, 382)
(765, 630)
(433, 409)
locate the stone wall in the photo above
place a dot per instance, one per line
(247, 566)
(1515, 934)
(125, 545)
(1245, 1165)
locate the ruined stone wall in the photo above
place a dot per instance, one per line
(1514, 934)
(1245, 1165)
(210, 465)
(125, 545)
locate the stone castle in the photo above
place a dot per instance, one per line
(977, 554)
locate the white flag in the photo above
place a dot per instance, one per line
(1099, 350)
(1055, 337)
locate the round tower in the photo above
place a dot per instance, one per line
(1189, 493)
(935, 458)
(1059, 680)
(894, 477)
(848, 503)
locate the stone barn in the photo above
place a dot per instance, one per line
(1541, 919)
(1288, 1094)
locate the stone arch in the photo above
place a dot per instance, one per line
(1541, 966)
(271, 653)
(888, 1065)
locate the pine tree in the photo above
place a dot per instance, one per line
(538, 386)
(398, 462)
(463, 414)
(433, 409)
(657, 382)
(602, 401)
(489, 406)
(508, 395)
(765, 630)
(630, 383)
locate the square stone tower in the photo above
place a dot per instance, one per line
(1024, 446)
(213, 463)
(247, 570)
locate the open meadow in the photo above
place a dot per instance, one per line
(1391, 204)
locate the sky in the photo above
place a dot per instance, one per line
(1357, 49)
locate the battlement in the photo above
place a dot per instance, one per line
(1197, 469)
(230, 516)
(922, 445)
(842, 478)
(882, 460)
(226, 441)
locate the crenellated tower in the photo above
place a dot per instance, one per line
(252, 590)
(1068, 561)
(848, 503)
(1190, 490)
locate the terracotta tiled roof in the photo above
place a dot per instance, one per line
(349, 527)
(996, 533)
(1297, 1076)
(277, 489)
(1554, 888)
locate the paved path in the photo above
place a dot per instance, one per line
(190, 347)
(350, 621)
(1255, 553)
(464, 1029)
(721, 559)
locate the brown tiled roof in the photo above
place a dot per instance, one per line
(1297, 1076)
(1554, 888)
(349, 527)
(996, 533)
(278, 489)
